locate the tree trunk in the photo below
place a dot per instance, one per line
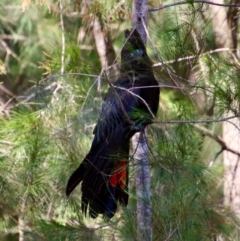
(231, 136)
(144, 212)
(140, 145)
(103, 43)
(224, 27)
(105, 50)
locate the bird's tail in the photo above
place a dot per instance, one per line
(104, 177)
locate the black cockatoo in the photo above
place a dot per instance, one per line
(130, 104)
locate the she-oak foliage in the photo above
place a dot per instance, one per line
(42, 142)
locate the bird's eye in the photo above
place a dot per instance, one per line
(138, 53)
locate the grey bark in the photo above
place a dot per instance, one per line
(144, 211)
(139, 12)
(140, 145)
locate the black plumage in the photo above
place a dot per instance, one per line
(130, 104)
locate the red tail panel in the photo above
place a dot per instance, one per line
(119, 176)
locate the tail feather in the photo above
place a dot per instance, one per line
(76, 177)
(104, 177)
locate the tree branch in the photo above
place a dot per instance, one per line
(192, 2)
(217, 138)
(191, 57)
(195, 121)
(120, 103)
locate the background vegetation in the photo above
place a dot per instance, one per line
(51, 90)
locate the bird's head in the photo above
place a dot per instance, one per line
(134, 58)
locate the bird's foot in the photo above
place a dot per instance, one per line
(136, 128)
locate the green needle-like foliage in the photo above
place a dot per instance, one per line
(44, 138)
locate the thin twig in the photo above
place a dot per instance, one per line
(89, 90)
(217, 138)
(63, 38)
(215, 158)
(139, 97)
(33, 95)
(152, 154)
(8, 50)
(195, 121)
(69, 74)
(7, 91)
(191, 57)
(23, 100)
(120, 102)
(13, 37)
(157, 53)
(192, 2)
(174, 231)
(233, 125)
(162, 63)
